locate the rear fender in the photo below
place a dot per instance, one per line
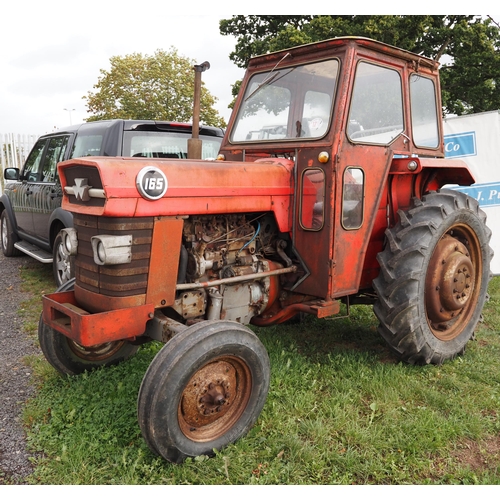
(413, 177)
(59, 219)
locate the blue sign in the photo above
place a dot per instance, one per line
(488, 195)
(460, 145)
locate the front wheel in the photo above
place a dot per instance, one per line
(434, 274)
(204, 390)
(8, 248)
(70, 358)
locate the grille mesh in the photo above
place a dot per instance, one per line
(121, 280)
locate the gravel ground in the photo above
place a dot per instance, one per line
(15, 376)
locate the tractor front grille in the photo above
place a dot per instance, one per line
(119, 280)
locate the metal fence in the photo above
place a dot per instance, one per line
(14, 148)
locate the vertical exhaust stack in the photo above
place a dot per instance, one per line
(195, 144)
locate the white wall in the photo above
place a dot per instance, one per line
(476, 140)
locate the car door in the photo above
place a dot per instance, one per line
(47, 192)
(22, 194)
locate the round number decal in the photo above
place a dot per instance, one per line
(151, 183)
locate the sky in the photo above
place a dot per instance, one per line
(51, 54)
(52, 51)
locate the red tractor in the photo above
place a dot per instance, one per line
(327, 190)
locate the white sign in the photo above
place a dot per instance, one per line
(475, 139)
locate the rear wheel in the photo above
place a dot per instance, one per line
(62, 263)
(70, 358)
(8, 248)
(434, 276)
(204, 390)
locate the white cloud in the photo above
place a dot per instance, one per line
(51, 54)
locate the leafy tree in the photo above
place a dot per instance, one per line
(158, 87)
(469, 75)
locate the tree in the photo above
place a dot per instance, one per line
(158, 87)
(469, 75)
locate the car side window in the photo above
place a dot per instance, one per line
(33, 163)
(55, 154)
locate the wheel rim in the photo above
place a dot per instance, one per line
(4, 232)
(63, 264)
(214, 398)
(99, 352)
(453, 282)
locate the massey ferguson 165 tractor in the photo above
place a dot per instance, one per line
(327, 190)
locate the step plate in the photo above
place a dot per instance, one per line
(34, 251)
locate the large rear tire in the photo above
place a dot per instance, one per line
(204, 390)
(434, 276)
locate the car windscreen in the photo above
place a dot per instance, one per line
(146, 144)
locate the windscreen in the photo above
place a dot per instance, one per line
(287, 102)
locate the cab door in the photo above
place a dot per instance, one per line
(374, 132)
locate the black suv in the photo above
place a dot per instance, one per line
(31, 213)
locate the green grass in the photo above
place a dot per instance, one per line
(340, 410)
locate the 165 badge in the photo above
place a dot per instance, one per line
(151, 183)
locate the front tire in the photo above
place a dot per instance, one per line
(7, 239)
(204, 390)
(70, 358)
(434, 274)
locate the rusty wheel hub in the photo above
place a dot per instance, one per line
(97, 352)
(214, 398)
(450, 287)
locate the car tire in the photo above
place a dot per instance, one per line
(7, 237)
(63, 264)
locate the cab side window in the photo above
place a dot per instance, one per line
(376, 114)
(424, 119)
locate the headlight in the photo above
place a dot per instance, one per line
(69, 240)
(112, 250)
